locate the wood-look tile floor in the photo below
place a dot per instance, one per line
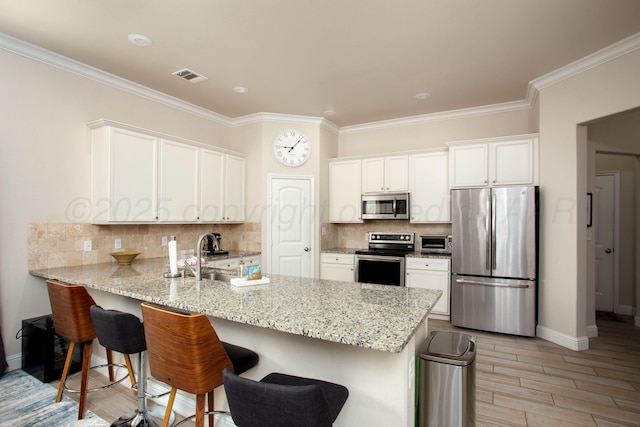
(525, 381)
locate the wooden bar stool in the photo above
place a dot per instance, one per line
(283, 400)
(185, 352)
(70, 305)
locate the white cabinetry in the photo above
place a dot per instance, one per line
(345, 191)
(232, 263)
(234, 189)
(496, 162)
(431, 273)
(139, 176)
(336, 266)
(179, 182)
(123, 176)
(429, 187)
(385, 174)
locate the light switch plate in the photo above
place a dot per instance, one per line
(87, 245)
(118, 244)
(164, 240)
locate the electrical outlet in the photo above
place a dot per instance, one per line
(87, 245)
(366, 237)
(324, 231)
(118, 243)
(164, 240)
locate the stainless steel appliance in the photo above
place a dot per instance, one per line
(383, 262)
(435, 244)
(385, 206)
(494, 259)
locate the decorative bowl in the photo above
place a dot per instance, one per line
(125, 257)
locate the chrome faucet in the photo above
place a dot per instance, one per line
(199, 254)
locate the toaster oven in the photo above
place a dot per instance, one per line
(436, 244)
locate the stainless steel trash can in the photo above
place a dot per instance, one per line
(447, 380)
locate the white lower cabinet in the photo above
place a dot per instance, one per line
(232, 263)
(339, 267)
(431, 273)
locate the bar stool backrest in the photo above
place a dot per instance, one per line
(260, 404)
(118, 331)
(184, 350)
(70, 305)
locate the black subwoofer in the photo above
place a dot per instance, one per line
(44, 352)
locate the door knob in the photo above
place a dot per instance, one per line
(608, 250)
(307, 249)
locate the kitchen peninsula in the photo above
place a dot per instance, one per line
(364, 336)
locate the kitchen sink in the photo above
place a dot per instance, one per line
(212, 274)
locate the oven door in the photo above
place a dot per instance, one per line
(380, 269)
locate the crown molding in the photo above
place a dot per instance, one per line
(61, 62)
(599, 57)
(286, 118)
(436, 117)
(64, 63)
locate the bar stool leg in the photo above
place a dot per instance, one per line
(65, 370)
(86, 366)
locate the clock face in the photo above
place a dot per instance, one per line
(292, 148)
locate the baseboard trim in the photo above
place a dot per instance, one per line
(592, 331)
(570, 342)
(14, 361)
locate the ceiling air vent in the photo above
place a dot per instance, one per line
(189, 75)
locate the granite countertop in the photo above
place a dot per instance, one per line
(377, 317)
(348, 251)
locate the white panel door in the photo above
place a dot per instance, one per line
(604, 242)
(291, 226)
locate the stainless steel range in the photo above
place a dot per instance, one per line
(383, 262)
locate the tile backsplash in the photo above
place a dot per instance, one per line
(58, 244)
(352, 236)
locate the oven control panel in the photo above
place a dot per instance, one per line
(400, 238)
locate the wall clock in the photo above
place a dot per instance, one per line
(292, 148)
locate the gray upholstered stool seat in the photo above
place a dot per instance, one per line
(124, 333)
(280, 399)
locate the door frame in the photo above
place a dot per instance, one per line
(310, 178)
(616, 234)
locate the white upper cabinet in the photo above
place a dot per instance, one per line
(212, 186)
(179, 182)
(222, 187)
(139, 176)
(429, 187)
(345, 191)
(385, 174)
(234, 194)
(123, 176)
(498, 162)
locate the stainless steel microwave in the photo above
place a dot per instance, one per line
(385, 206)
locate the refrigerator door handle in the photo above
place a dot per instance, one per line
(497, 285)
(493, 232)
(488, 223)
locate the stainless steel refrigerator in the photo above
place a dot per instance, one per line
(494, 259)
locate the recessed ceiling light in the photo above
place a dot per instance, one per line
(240, 89)
(140, 40)
(423, 95)
(329, 113)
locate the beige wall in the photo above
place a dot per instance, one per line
(359, 141)
(601, 91)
